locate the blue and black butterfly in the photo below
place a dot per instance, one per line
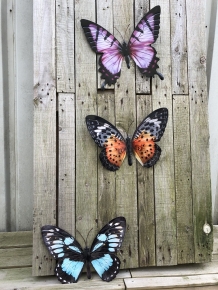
(71, 257)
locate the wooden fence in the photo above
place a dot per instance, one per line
(167, 207)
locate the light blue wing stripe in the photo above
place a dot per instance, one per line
(102, 264)
(72, 268)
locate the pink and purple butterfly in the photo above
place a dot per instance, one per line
(138, 48)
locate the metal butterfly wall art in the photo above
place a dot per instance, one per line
(138, 48)
(143, 143)
(71, 258)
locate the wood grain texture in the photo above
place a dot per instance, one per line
(146, 214)
(143, 84)
(199, 129)
(23, 257)
(104, 13)
(16, 239)
(86, 149)
(65, 45)
(183, 182)
(165, 206)
(106, 179)
(66, 165)
(125, 114)
(179, 54)
(44, 132)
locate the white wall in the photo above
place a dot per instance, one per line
(16, 111)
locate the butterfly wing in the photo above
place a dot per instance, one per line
(140, 49)
(110, 139)
(102, 41)
(151, 129)
(64, 248)
(105, 246)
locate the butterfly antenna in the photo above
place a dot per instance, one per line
(82, 237)
(126, 31)
(129, 127)
(120, 34)
(88, 236)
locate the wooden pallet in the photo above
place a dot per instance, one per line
(16, 271)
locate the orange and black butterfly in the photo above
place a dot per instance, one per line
(143, 143)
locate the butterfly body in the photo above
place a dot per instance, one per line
(142, 144)
(138, 48)
(72, 257)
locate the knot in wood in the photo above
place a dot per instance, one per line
(202, 59)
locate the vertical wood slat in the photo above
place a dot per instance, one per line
(141, 82)
(165, 211)
(125, 113)
(106, 179)
(199, 128)
(179, 54)
(66, 164)
(44, 132)
(3, 208)
(12, 116)
(146, 202)
(24, 109)
(65, 45)
(183, 182)
(104, 14)
(86, 151)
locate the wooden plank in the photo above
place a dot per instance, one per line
(66, 194)
(183, 184)
(125, 114)
(86, 149)
(16, 257)
(44, 132)
(176, 271)
(104, 10)
(16, 239)
(65, 45)
(143, 84)
(199, 129)
(3, 194)
(179, 47)
(165, 207)
(21, 278)
(173, 282)
(24, 110)
(106, 180)
(146, 215)
(12, 118)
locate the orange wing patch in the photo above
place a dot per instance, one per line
(115, 150)
(144, 147)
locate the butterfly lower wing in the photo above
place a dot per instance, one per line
(110, 139)
(151, 129)
(141, 51)
(107, 265)
(102, 41)
(64, 248)
(104, 247)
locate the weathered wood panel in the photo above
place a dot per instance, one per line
(143, 84)
(199, 128)
(65, 45)
(183, 182)
(179, 47)
(146, 202)
(86, 94)
(165, 206)
(126, 182)
(66, 165)
(44, 132)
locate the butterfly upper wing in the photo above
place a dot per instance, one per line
(148, 132)
(102, 41)
(64, 248)
(108, 137)
(140, 49)
(105, 246)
